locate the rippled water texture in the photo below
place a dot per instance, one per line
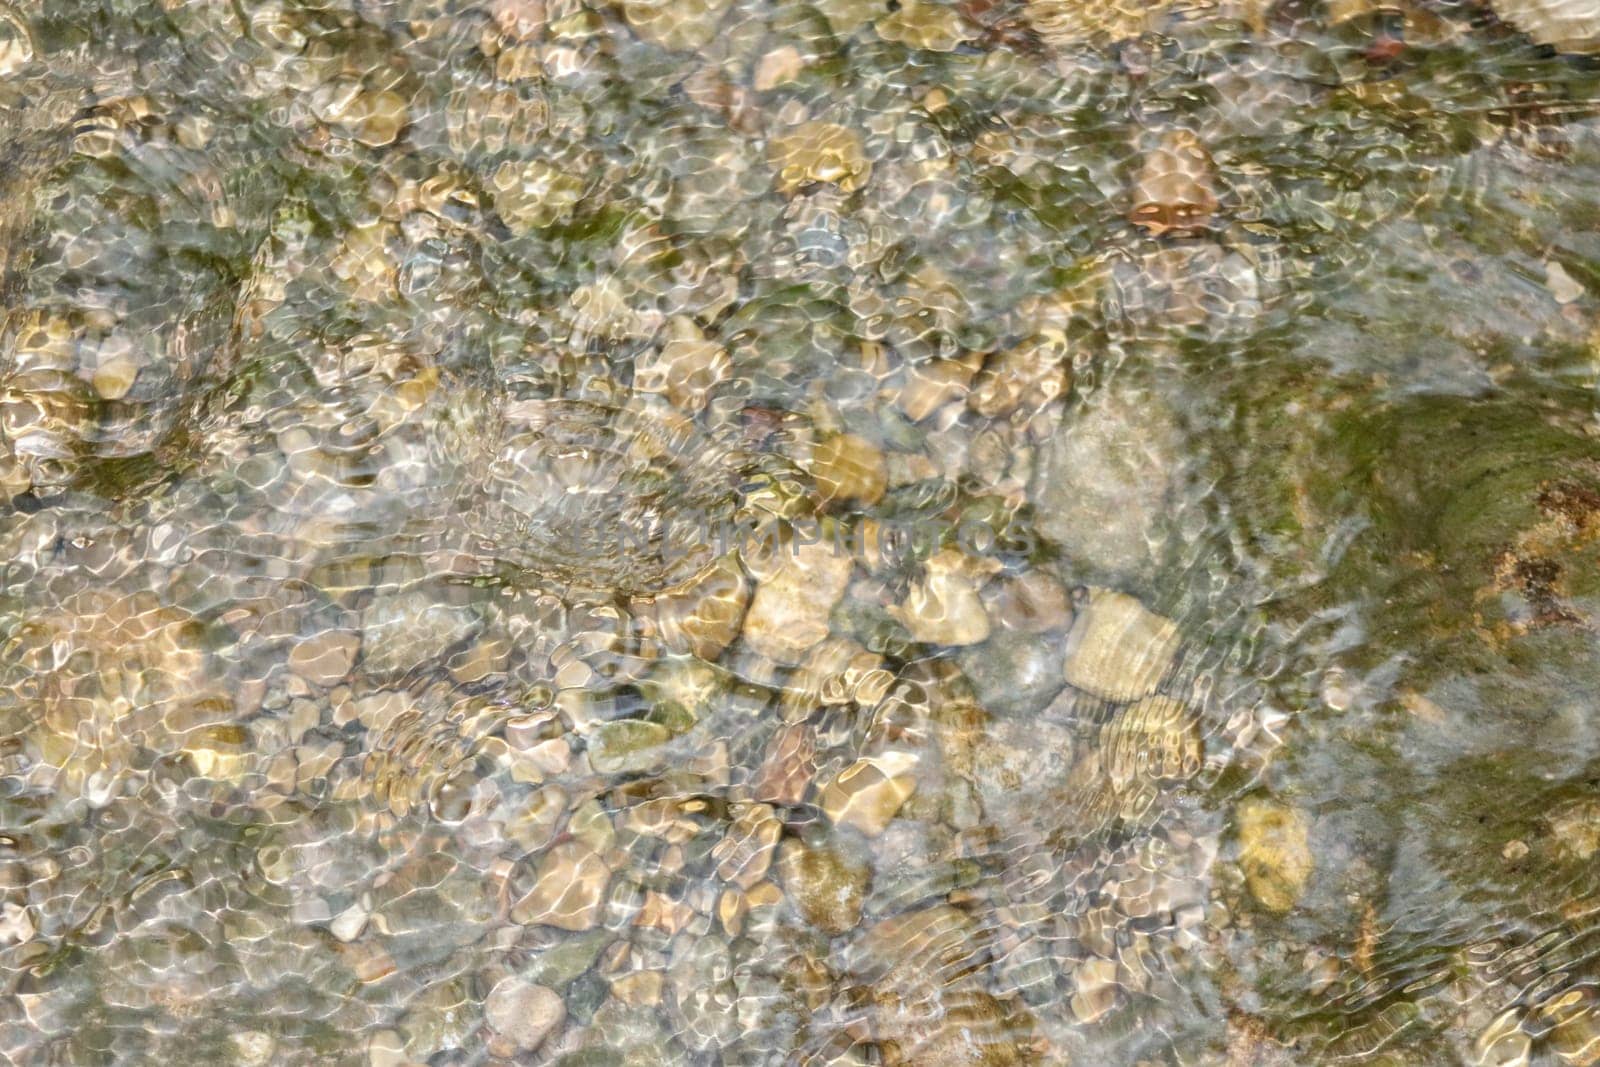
(648, 532)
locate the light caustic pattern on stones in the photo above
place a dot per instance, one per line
(1158, 440)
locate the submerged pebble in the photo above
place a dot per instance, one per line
(1117, 649)
(1274, 851)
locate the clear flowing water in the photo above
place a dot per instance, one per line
(706, 531)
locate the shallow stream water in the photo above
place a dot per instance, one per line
(718, 532)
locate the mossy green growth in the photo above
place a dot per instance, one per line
(1457, 524)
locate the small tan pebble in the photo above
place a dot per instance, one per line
(551, 757)
(369, 963)
(1274, 851)
(850, 468)
(387, 1048)
(676, 24)
(348, 924)
(325, 658)
(778, 66)
(1117, 649)
(220, 752)
(569, 890)
(933, 26)
(1423, 708)
(486, 656)
(16, 44)
(253, 1048)
(907, 468)
(374, 119)
(870, 792)
(518, 19)
(639, 989)
(764, 895)
(1095, 989)
(533, 194)
(1033, 602)
(1175, 192)
(524, 1012)
(1564, 25)
(787, 767)
(819, 152)
(1575, 828)
(794, 600)
(827, 886)
(943, 607)
(732, 907)
(745, 852)
(700, 616)
(926, 387)
(1035, 371)
(663, 913)
(686, 368)
(385, 116)
(114, 379)
(1562, 286)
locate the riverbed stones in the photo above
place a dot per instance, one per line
(16, 44)
(1015, 673)
(926, 387)
(1013, 759)
(1034, 602)
(534, 194)
(325, 658)
(1104, 480)
(1095, 989)
(1274, 851)
(819, 152)
(826, 882)
(1069, 24)
(628, 746)
(867, 794)
(374, 119)
(744, 855)
(1565, 25)
(523, 1013)
(1155, 739)
(1575, 1036)
(943, 607)
(1117, 649)
(968, 1028)
(401, 631)
(1575, 828)
(933, 26)
(686, 368)
(796, 593)
(1176, 191)
(787, 766)
(253, 1048)
(848, 468)
(675, 24)
(519, 20)
(569, 889)
(701, 615)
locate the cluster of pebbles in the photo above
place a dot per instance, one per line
(352, 709)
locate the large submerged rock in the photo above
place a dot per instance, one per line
(1105, 479)
(1565, 25)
